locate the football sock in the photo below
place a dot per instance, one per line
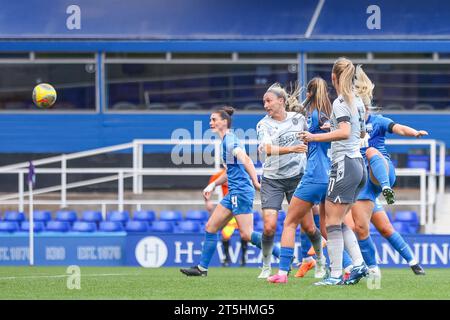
(267, 246)
(379, 171)
(351, 245)
(209, 247)
(286, 255)
(256, 239)
(399, 244)
(368, 251)
(335, 246)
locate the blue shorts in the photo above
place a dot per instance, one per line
(239, 203)
(371, 191)
(378, 206)
(311, 192)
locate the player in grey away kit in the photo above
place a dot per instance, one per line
(284, 163)
(348, 173)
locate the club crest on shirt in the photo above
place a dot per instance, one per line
(295, 121)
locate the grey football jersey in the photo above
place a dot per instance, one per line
(283, 134)
(348, 147)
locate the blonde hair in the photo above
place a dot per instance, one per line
(363, 86)
(344, 70)
(290, 98)
(318, 98)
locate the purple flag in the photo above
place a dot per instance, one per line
(31, 174)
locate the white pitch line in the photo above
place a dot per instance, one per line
(67, 275)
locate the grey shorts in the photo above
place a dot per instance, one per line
(347, 178)
(273, 191)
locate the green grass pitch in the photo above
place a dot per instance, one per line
(220, 284)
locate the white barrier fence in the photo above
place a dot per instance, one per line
(427, 201)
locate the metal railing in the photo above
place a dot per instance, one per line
(427, 202)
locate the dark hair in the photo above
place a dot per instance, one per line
(225, 113)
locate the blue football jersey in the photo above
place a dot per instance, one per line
(238, 178)
(318, 163)
(377, 127)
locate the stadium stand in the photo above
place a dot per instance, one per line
(170, 215)
(197, 215)
(38, 226)
(189, 226)
(118, 216)
(42, 215)
(409, 219)
(148, 216)
(92, 216)
(137, 226)
(190, 106)
(66, 215)
(14, 216)
(9, 226)
(162, 226)
(111, 226)
(83, 226)
(58, 226)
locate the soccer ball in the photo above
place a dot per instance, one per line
(44, 95)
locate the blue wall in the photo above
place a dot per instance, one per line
(176, 250)
(74, 132)
(232, 19)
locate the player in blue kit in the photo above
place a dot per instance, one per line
(242, 181)
(312, 188)
(381, 171)
(381, 222)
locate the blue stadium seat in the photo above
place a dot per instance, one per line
(197, 215)
(83, 226)
(372, 229)
(389, 214)
(257, 216)
(170, 215)
(418, 161)
(42, 215)
(144, 215)
(137, 226)
(92, 216)
(279, 227)
(189, 226)
(162, 226)
(118, 216)
(401, 227)
(111, 226)
(281, 215)
(259, 226)
(66, 215)
(9, 226)
(58, 226)
(38, 226)
(14, 216)
(406, 216)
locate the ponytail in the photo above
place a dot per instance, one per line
(363, 86)
(318, 97)
(344, 70)
(290, 98)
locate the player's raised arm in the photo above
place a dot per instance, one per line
(406, 131)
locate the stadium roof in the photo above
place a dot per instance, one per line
(226, 20)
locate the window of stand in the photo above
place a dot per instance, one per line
(147, 87)
(411, 87)
(74, 83)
